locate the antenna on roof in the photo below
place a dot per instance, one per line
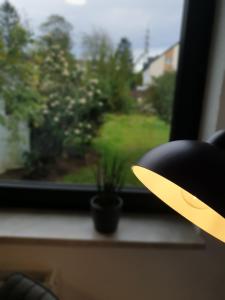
(147, 42)
(143, 57)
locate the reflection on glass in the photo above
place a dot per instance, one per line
(83, 80)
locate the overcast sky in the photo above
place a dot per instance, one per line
(129, 18)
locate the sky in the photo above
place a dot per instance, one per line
(129, 18)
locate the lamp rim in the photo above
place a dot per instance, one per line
(170, 193)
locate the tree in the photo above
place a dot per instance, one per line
(161, 95)
(122, 77)
(17, 89)
(57, 30)
(14, 35)
(98, 53)
(112, 68)
(124, 61)
(97, 47)
(9, 19)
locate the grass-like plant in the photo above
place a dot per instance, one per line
(110, 178)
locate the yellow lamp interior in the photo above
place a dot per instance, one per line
(186, 204)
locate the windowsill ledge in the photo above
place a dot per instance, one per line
(77, 229)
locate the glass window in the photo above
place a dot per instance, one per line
(82, 81)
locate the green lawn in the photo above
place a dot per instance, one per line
(128, 135)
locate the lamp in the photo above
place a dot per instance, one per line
(189, 176)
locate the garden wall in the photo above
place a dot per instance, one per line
(12, 148)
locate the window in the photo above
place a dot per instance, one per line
(168, 60)
(75, 96)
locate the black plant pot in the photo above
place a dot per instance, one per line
(106, 218)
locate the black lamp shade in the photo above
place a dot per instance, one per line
(189, 176)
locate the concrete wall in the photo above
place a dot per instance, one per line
(98, 273)
(11, 150)
(13, 145)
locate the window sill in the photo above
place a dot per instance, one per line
(66, 229)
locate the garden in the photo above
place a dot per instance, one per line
(79, 108)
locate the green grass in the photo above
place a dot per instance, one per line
(127, 135)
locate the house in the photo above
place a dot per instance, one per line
(157, 66)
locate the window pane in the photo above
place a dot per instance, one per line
(85, 83)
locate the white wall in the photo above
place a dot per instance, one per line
(176, 56)
(13, 144)
(11, 150)
(156, 69)
(214, 106)
(98, 273)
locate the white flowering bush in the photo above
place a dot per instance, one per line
(71, 105)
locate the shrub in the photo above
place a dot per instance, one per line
(71, 107)
(161, 94)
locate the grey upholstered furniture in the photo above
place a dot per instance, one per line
(20, 287)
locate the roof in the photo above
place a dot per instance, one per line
(170, 48)
(151, 59)
(149, 62)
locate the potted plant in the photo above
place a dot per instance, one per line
(107, 204)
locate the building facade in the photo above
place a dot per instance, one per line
(166, 62)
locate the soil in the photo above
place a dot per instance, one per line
(63, 167)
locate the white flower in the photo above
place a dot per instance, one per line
(80, 124)
(90, 94)
(56, 119)
(53, 104)
(89, 137)
(94, 81)
(48, 59)
(77, 131)
(140, 100)
(98, 92)
(55, 46)
(57, 67)
(89, 126)
(46, 111)
(80, 68)
(82, 101)
(100, 104)
(66, 133)
(66, 72)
